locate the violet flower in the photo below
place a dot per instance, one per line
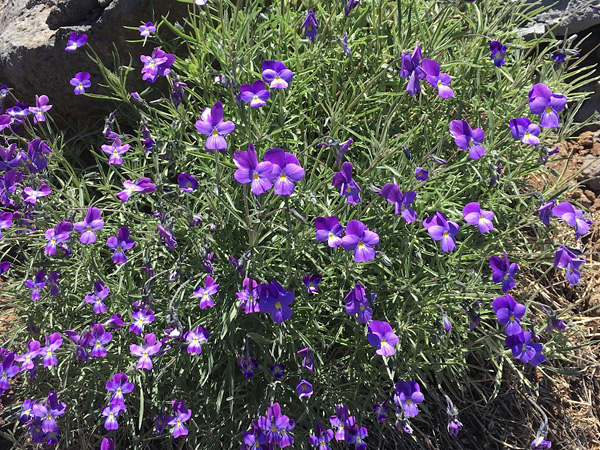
(107, 444)
(27, 360)
(277, 426)
(286, 170)
(181, 415)
(249, 170)
(147, 29)
(437, 79)
(321, 438)
(564, 257)
(90, 224)
(7, 370)
(255, 94)
(497, 51)
(304, 389)
(31, 195)
(543, 101)
(393, 194)
(308, 361)
(156, 65)
(5, 221)
(75, 41)
(187, 183)
(194, 338)
(168, 237)
(115, 150)
(357, 304)
(311, 282)
(247, 365)
(476, 216)
(343, 423)
(49, 412)
(143, 184)
(249, 296)
(344, 44)
(454, 427)
(504, 271)
(57, 235)
(421, 174)
(521, 128)
(467, 139)
(357, 439)
(509, 313)
(275, 300)
(96, 298)
(41, 107)
(111, 412)
(360, 240)
(379, 409)
(310, 25)
(118, 386)
(350, 5)
(329, 230)
(276, 74)
(277, 370)
(99, 338)
(524, 350)
(81, 81)
(140, 317)
(211, 124)
(348, 187)
(410, 67)
(381, 336)
(146, 352)
(205, 293)
(120, 244)
(408, 395)
(53, 343)
(37, 285)
(573, 217)
(442, 229)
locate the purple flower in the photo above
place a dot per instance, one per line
(307, 358)
(53, 343)
(147, 29)
(26, 410)
(5, 221)
(96, 299)
(437, 79)
(476, 216)
(348, 187)
(89, 226)
(111, 413)
(7, 370)
(82, 342)
(37, 285)
(277, 370)
(329, 230)
(442, 229)
(360, 240)
(504, 271)
(57, 235)
(421, 174)
(573, 217)
(566, 258)
(247, 365)
(255, 94)
(170, 240)
(342, 422)
(187, 183)
(379, 409)
(276, 426)
(144, 185)
(249, 296)
(524, 350)
(119, 385)
(454, 426)
(49, 412)
(311, 282)
(357, 303)
(115, 150)
(81, 81)
(9, 157)
(393, 194)
(249, 170)
(181, 415)
(40, 108)
(31, 195)
(140, 317)
(177, 93)
(509, 313)
(75, 41)
(4, 266)
(408, 395)
(446, 322)
(286, 170)
(211, 124)
(304, 389)
(497, 51)
(410, 67)
(540, 443)
(276, 74)
(27, 360)
(205, 293)
(344, 43)
(321, 438)
(381, 336)
(543, 101)
(275, 300)
(107, 444)
(53, 277)
(156, 65)
(194, 338)
(145, 352)
(467, 139)
(522, 128)
(99, 338)
(350, 5)
(310, 25)
(358, 439)
(120, 244)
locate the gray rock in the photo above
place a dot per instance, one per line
(34, 34)
(591, 174)
(574, 15)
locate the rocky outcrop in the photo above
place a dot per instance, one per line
(572, 16)
(34, 34)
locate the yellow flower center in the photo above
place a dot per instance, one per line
(145, 354)
(511, 318)
(409, 401)
(548, 109)
(445, 234)
(283, 177)
(308, 28)
(277, 78)
(89, 228)
(361, 244)
(255, 176)
(278, 305)
(215, 132)
(383, 342)
(362, 307)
